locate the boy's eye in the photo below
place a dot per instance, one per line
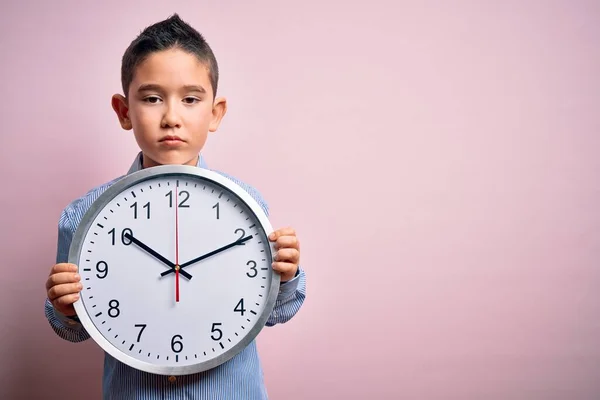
(191, 100)
(152, 99)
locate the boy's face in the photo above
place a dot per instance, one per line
(170, 108)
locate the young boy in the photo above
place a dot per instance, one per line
(169, 76)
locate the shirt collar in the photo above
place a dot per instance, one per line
(137, 163)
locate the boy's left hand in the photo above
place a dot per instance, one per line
(287, 257)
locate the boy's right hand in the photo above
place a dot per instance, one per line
(63, 288)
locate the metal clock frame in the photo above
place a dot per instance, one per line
(119, 187)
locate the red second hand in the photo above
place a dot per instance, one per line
(176, 248)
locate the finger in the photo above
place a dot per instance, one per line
(291, 242)
(287, 255)
(63, 267)
(62, 277)
(64, 301)
(65, 289)
(285, 267)
(282, 232)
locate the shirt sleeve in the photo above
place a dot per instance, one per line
(289, 300)
(67, 328)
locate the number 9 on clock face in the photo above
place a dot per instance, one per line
(176, 269)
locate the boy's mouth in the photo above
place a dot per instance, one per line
(171, 138)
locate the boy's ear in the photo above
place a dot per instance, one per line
(218, 112)
(119, 104)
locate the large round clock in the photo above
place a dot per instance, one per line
(175, 263)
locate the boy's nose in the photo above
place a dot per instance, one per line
(170, 119)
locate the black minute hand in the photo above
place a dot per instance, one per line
(157, 256)
(212, 253)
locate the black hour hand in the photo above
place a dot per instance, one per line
(156, 255)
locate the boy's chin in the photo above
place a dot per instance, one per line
(153, 160)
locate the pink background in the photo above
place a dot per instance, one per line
(438, 160)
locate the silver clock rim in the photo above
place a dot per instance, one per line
(117, 188)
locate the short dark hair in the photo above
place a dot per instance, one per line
(170, 33)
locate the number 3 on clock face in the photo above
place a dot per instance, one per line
(176, 270)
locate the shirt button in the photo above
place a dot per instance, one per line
(172, 379)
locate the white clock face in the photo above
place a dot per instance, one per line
(176, 273)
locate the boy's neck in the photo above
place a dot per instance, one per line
(138, 163)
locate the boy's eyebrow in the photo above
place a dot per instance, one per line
(154, 87)
(194, 88)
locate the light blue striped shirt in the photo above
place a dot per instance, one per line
(239, 378)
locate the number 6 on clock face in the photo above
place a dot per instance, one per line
(176, 269)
